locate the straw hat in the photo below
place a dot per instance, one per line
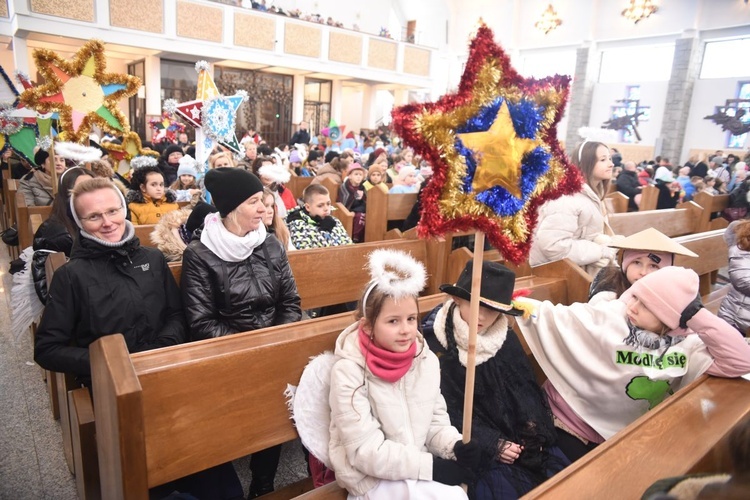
(652, 240)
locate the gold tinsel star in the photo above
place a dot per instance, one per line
(81, 91)
(498, 152)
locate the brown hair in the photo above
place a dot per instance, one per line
(258, 162)
(177, 184)
(62, 198)
(585, 158)
(279, 226)
(313, 189)
(91, 185)
(742, 233)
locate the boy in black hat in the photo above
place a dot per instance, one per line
(511, 421)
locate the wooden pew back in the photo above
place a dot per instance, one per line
(298, 184)
(143, 233)
(163, 414)
(711, 204)
(679, 436)
(671, 222)
(649, 197)
(383, 207)
(713, 255)
(340, 270)
(617, 203)
(25, 235)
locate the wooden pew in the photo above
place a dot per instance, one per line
(672, 222)
(333, 189)
(73, 407)
(345, 216)
(298, 184)
(341, 269)
(649, 197)
(684, 434)
(163, 414)
(383, 207)
(6, 216)
(617, 203)
(25, 234)
(710, 204)
(713, 255)
(143, 233)
(12, 186)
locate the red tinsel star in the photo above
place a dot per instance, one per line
(462, 136)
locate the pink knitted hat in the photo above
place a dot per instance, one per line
(661, 259)
(666, 293)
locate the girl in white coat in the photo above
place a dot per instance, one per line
(576, 226)
(391, 436)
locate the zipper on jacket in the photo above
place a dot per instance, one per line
(405, 410)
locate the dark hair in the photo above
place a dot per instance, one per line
(609, 279)
(61, 203)
(264, 150)
(258, 162)
(585, 158)
(140, 175)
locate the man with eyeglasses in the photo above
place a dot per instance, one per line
(110, 285)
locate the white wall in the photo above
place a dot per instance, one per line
(351, 109)
(653, 94)
(707, 94)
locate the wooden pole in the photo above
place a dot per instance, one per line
(476, 282)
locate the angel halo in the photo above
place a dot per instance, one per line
(396, 274)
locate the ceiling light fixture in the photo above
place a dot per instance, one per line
(639, 10)
(549, 20)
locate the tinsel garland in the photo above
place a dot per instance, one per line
(449, 201)
(81, 91)
(129, 148)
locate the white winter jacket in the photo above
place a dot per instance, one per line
(573, 227)
(382, 430)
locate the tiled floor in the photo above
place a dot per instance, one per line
(32, 465)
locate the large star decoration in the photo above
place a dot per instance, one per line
(212, 114)
(493, 148)
(81, 91)
(15, 131)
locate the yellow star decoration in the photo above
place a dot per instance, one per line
(499, 152)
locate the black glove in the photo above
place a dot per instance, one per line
(690, 311)
(449, 472)
(467, 454)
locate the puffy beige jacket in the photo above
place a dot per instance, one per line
(382, 430)
(573, 227)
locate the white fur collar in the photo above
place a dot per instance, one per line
(488, 343)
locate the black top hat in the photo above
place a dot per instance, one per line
(496, 290)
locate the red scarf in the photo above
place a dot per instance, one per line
(387, 365)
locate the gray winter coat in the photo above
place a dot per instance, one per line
(735, 309)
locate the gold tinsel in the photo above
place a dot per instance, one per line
(81, 91)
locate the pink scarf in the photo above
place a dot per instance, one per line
(387, 365)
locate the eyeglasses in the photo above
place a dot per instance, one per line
(96, 218)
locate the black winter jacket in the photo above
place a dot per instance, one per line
(104, 290)
(222, 298)
(629, 185)
(52, 235)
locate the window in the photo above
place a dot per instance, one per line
(630, 107)
(726, 59)
(639, 64)
(743, 94)
(179, 80)
(548, 64)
